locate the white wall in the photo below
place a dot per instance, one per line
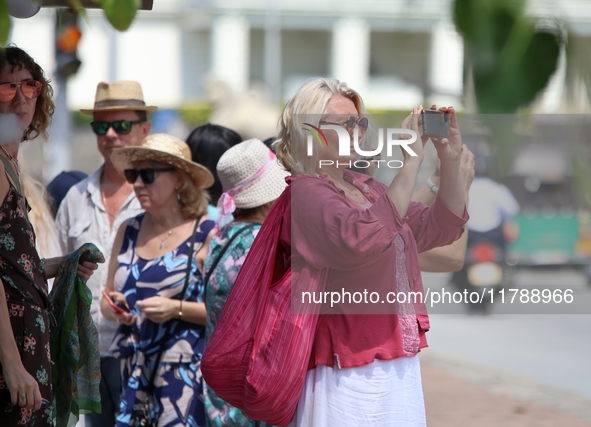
(149, 52)
(151, 55)
(93, 51)
(36, 36)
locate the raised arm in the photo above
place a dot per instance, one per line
(449, 152)
(401, 189)
(451, 257)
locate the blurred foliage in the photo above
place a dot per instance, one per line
(4, 22)
(79, 119)
(196, 113)
(511, 57)
(119, 13)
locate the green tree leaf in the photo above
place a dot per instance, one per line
(120, 13)
(4, 22)
(511, 61)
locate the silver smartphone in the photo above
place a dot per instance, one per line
(435, 124)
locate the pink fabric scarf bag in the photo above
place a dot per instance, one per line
(257, 357)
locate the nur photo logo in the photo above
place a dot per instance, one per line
(389, 137)
(316, 133)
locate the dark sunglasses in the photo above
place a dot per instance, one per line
(121, 127)
(31, 89)
(147, 174)
(362, 122)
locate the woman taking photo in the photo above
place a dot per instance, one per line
(156, 278)
(364, 367)
(25, 360)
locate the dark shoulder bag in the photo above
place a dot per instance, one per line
(140, 414)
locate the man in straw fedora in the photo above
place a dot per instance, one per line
(93, 210)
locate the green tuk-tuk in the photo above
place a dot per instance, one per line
(552, 228)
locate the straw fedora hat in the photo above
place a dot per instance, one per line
(121, 95)
(241, 166)
(167, 149)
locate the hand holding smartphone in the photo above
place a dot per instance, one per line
(118, 307)
(435, 124)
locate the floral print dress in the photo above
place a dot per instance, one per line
(176, 398)
(221, 280)
(25, 286)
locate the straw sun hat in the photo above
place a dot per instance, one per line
(167, 149)
(251, 175)
(121, 95)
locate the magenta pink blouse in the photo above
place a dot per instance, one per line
(358, 247)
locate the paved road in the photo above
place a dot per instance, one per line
(551, 349)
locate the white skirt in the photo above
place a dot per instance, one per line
(382, 394)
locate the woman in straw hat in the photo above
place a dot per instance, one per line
(156, 278)
(252, 180)
(26, 109)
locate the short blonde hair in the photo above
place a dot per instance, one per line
(308, 105)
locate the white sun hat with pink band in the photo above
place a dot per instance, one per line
(250, 175)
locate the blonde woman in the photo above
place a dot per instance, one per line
(155, 274)
(364, 368)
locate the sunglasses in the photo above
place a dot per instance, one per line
(147, 174)
(31, 89)
(121, 127)
(362, 122)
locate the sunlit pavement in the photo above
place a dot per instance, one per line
(540, 358)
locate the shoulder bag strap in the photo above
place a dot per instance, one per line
(11, 172)
(187, 275)
(222, 252)
(14, 179)
(190, 259)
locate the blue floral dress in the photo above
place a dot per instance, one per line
(220, 413)
(177, 394)
(25, 287)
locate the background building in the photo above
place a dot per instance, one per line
(192, 56)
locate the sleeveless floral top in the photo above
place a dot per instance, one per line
(21, 269)
(29, 307)
(138, 278)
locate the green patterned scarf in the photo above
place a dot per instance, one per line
(74, 342)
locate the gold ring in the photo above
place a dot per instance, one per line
(21, 398)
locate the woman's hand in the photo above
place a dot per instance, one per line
(85, 269)
(52, 267)
(401, 188)
(449, 148)
(452, 188)
(127, 318)
(24, 389)
(412, 122)
(159, 309)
